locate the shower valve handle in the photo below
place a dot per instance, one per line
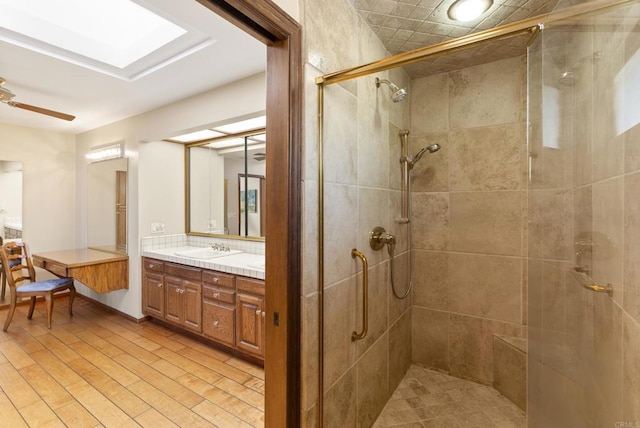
(378, 237)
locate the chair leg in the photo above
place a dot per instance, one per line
(3, 279)
(48, 298)
(12, 309)
(72, 295)
(32, 306)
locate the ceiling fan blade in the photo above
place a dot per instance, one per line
(41, 110)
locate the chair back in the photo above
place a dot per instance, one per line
(17, 263)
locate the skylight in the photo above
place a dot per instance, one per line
(115, 32)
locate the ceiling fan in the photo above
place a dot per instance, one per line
(6, 97)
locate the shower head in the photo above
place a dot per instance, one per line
(397, 94)
(431, 149)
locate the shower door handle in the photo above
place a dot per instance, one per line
(365, 299)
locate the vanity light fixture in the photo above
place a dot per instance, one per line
(468, 10)
(102, 153)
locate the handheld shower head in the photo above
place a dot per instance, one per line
(397, 94)
(431, 149)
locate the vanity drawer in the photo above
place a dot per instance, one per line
(250, 285)
(219, 294)
(218, 279)
(152, 265)
(183, 272)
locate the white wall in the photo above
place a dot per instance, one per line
(49, 177)
(148, 178)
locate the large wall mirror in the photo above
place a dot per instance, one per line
(226, 184)
(107, 210)
(11, 199)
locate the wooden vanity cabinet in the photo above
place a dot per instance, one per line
(183, 296)
(250, 316)
(153, 288)
(222, 307)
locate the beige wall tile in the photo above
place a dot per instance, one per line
(487, 158)
(551, 224)
(430, 216)
(607, 237)
(373, 206)
(394, 157)
(631, 299)
(510, 372)
(631, 370)
(373, 381)
(429, 99)
(399, 307)
(309, 352)
(340, 401)
(430, 338)
(484, 95)
(310, 147)
(373, 147)
(486, 286)
(310, 238)
(340, 231)
(431, 173)
(340, 136)
(486, 222)
(431, 279)
(632, 149)
(399, 350)
(339, 322)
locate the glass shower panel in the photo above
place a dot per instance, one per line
(584, 232)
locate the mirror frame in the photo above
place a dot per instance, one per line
(187, 184)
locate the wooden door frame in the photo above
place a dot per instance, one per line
(283, 37)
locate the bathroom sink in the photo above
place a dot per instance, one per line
(205, 253)
(257, 265)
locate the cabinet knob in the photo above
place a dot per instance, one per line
(258, 312)
(216, 322)
(215, 279)
(263, 314)
(216, 295)
(151, 266)
(177, 290)
(159, 285)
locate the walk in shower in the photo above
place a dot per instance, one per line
(525, 232)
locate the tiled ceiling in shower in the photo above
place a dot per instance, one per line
(406, 25)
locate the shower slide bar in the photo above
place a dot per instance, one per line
(587, 282)
(365, 298)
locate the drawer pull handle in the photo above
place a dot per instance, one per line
(216, 295)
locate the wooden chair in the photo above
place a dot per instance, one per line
(18, 269)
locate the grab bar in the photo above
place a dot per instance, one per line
(365, 299)
(587, 282)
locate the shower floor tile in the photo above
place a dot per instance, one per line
(427, 398)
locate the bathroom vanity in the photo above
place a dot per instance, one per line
(217, 303)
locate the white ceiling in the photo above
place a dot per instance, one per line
(97, 99)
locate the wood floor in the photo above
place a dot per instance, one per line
(99, 369)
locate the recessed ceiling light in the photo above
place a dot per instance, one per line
(468, 10)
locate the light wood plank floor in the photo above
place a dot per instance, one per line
(98, 369)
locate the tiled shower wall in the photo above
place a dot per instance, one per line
(469, 215)
(361, 191)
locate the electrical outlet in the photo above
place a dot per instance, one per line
(157, 227)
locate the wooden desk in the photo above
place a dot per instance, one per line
(99, 270)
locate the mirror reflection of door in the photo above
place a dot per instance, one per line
(107, 205)
(11, 199)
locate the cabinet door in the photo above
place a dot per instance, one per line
(218, 322)
(249, 324)
(192, 300)
(174, 302)
(153, 295)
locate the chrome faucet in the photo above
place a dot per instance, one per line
(220, 247)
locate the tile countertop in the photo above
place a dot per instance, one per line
(245, 264)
